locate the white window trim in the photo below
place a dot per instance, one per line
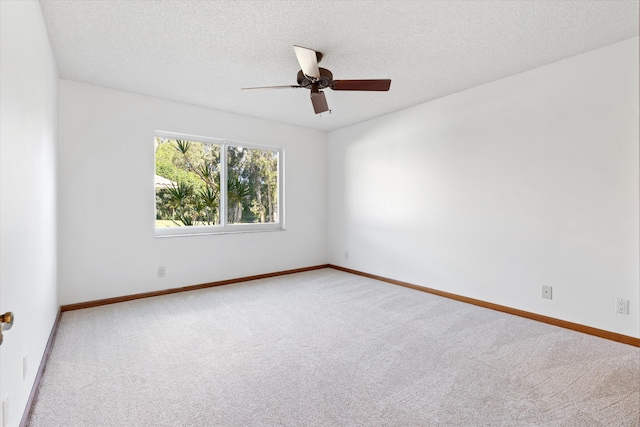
(225, 228)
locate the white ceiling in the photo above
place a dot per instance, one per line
(203, 52)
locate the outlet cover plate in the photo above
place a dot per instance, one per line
(547, 292)
(5, 412)
(25, 367)
(622, 306)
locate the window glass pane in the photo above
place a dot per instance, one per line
(187, 183)
(252, 185)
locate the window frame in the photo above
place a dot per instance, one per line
(223, 227)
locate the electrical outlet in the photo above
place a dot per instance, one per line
(346, 254)
(546, 292)
(25, 367)
(161, 271)
(622, 306)
(5, 411)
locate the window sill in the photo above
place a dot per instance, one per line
(163, 232)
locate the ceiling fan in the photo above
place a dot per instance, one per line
(315, 78)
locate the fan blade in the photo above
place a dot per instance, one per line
(375, 85)
(308, 61)
(319, 102)
(272, 87)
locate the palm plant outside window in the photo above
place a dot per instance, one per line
(205, 185)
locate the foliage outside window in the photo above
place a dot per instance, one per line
(189, 196)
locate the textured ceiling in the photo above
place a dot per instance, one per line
(203, 52)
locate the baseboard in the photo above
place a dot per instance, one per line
(41, 368)
(124, 298)
(533, 316)
(516, 312)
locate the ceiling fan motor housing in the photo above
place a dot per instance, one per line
(325, 80)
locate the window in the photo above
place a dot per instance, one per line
(189, 197)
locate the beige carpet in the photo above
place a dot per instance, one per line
(327, 348)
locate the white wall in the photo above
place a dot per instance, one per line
(495, 191)
(107, 246)
(28, 117)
